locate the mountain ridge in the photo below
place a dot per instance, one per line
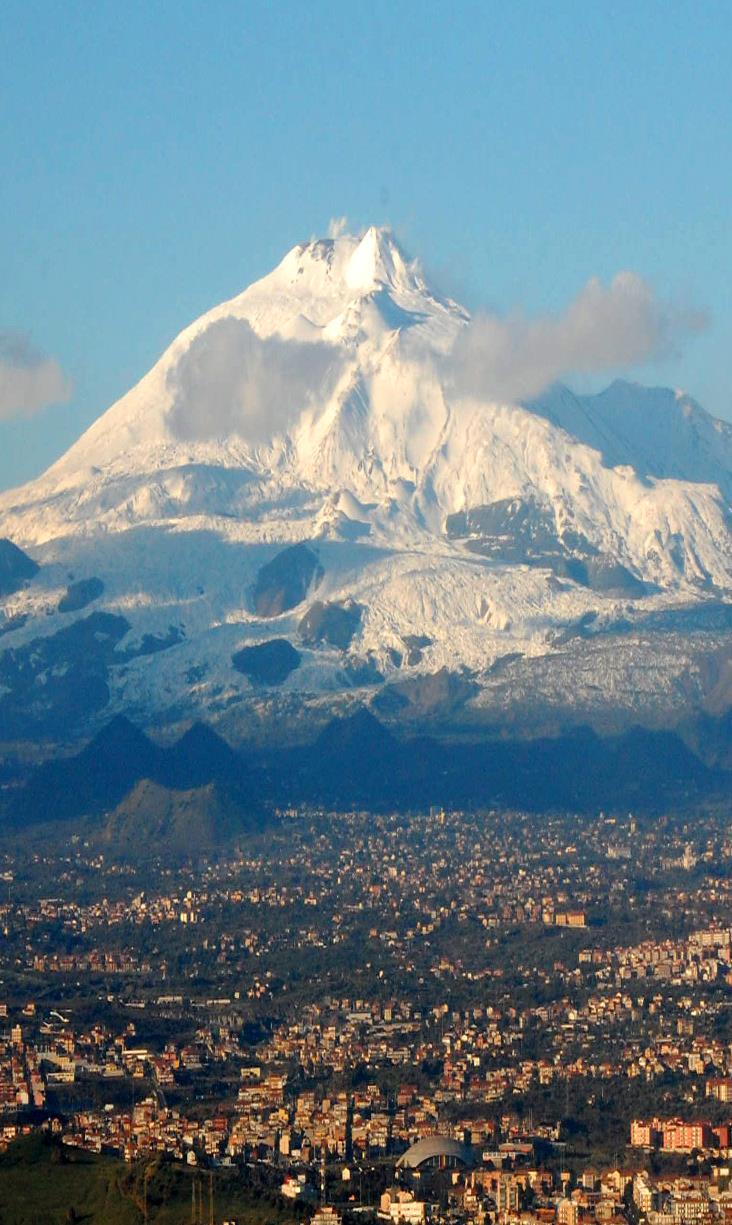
(315, 411)
(139, 798)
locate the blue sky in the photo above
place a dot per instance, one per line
(158, 157)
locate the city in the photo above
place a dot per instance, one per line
(552, 994)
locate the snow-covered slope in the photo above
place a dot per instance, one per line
(659, 432)
(445, 533)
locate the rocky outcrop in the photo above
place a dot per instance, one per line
(285, 581)
(79, 594)
(54, 683)
(267, 663)
(334, 624)
(16, 568)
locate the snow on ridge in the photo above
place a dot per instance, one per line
(369, 472)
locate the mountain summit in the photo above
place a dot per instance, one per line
(245, 373)
(297, 506)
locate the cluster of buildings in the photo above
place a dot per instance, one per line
(22, 1084)
(325, 881)
(353, 986)
(675, 1200)
(679, 1135)
(701, 956)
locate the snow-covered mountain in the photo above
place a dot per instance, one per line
(295, 501)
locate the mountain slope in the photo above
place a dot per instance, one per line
(301, 451)
(158, 821)
(660, 433)
(119, 759)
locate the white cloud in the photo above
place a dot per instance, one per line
(337, 226)
(606, 328)
(28, 380)
(231, 381)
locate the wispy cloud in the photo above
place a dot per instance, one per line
(337, 226)
(231, 381)
(29, 381)
(606, 328)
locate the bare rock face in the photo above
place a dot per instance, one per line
(416, 644)
(285, 581)
(424, 697)
(267, 663)
(81, 593)
(334, 624)
(521, 531)
(62, 675)
(16, 567)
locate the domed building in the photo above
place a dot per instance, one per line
(436, 1152)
